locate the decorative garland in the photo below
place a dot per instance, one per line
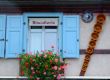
(94, 38)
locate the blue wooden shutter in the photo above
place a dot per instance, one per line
(71, 36)
(14, 36)
(2, 34)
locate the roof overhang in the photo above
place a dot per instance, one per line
(54, 5)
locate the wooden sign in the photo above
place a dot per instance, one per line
(43, 21)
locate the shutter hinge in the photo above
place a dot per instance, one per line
(24, 23)
(61, 23)
(61, 50)
(77, 40)
(23, 50)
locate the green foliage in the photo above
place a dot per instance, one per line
(42, 66)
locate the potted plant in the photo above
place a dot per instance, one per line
(45, 65)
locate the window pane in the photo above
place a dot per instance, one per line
(36, 27)
(50, 27)
(51, 40)
(36, 41)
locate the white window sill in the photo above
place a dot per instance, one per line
(65, 77)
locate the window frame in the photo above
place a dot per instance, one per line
(42, 14)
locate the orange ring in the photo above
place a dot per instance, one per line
(84, 68)
(85, 63)
(98, 27)
(90, 50)
(92, 43)
(95, 35)
(87, 57)
(101, 18)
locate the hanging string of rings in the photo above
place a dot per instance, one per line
(92, 44)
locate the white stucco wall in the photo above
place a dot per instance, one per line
(99, 65)
(87, 28)
(9, 67)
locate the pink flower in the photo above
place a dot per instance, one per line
(17, 76)
(61, 60)
(45, 56)
(56, 60)
(63, 67)
(40, 55)
(38, 78)
(33, 72)
(59, 76)
(55, 68)
(44, 73)
(30, 52)
(54, 75)
(32, 68)
(59, 68)
(62, 74)
(42, 50)
(52, 72)
(57, 54)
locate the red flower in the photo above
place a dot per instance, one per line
(46, 66)
(50, 53)
(26, 64)
(26, 54)
(30, 76)
(31, 59)
(22, 73)
(37, 72)
(36, 65)
(19, 59)
(50, 61)
(62, 67)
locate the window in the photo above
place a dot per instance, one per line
(43, 34)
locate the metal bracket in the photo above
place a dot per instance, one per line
(2, 39)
